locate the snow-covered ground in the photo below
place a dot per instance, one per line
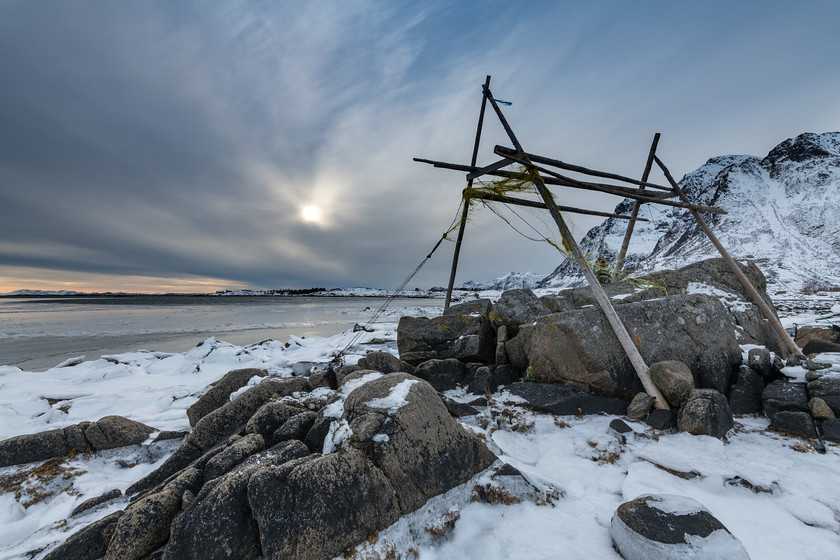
(774, 493)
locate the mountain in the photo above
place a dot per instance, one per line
(512, 281)
(783, 212)
(42, 293)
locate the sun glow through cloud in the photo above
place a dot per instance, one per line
(310, 214)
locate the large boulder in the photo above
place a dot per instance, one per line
(219, 393)
(234, 454)
(464, 337)
(515, 307)
(384, 362)
(233, 415)
(579, 347)
(781, 395)
(394, 447)
(668, 527)
(269, 418)
(315, 508)
(406, 430)
(33, 447)
(111, 432)
(476, 307)
(88, 544)
(706, 413)
(219, 523)
(145, 524)
(745, 396)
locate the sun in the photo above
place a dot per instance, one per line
(310, 214)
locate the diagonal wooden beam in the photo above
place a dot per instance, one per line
(493, 197)
(489, 169)
(600, 296)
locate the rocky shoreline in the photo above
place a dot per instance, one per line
(313, 465)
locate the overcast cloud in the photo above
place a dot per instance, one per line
(172, 145)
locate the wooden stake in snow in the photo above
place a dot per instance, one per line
(600, 296)
(733, 266)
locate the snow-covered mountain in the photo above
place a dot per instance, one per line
(783, 212)
(512, 281)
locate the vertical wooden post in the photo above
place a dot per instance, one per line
(466, 199)
(600, 296)
(733, 266)
(619, 263)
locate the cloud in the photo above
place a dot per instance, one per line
(183, 140)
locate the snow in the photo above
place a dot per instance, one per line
(396, 397)
(676, 505)
(773, 492)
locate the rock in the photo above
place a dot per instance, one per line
(219, 393)
(515, 307)
(88, 544)
(620, 426)
(228, 418)
(671, 527)
(442, 374)
(820, 409)
(805, 334)
(562, 400)
(828, 389)
(482, 382)
(819, 345)
(794, 422)
(480, 307)
(295, 427)
(404, 427)
(319, 379)
(556, 304)
(501, 339)
(781, 395)
(457, 409)
(75, 437)
(219, 524)
(706, 412)
(183, 456)
(466, 338)
(145, 524)
(167, 435)
(111, 432)
(660, 419)
(578, 347)
(316, 435)
(344, 371)
(516, 354)
(97, 501)
(640, 406)
(386, 363)
(831, 430)
(674, 380)
(33, 447)
(233, 455)
(745, 396)
(759, 360)
(358, 374)
(315, 508)
(269, 418)
(504, 375)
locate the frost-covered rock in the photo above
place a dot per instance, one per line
(516, 307)
(219, 393)
(111, 432)
(668, 527)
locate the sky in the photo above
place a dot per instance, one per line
(198, 146)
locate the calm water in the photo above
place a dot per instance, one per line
(38, 333)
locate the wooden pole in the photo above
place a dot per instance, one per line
(466, 201)
(534, 204)
(733, 266)
(619, 263)
(658, 198)
(600, 296)
(586, 171)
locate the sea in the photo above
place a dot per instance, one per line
(41, 332)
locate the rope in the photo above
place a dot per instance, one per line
(339, 358)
